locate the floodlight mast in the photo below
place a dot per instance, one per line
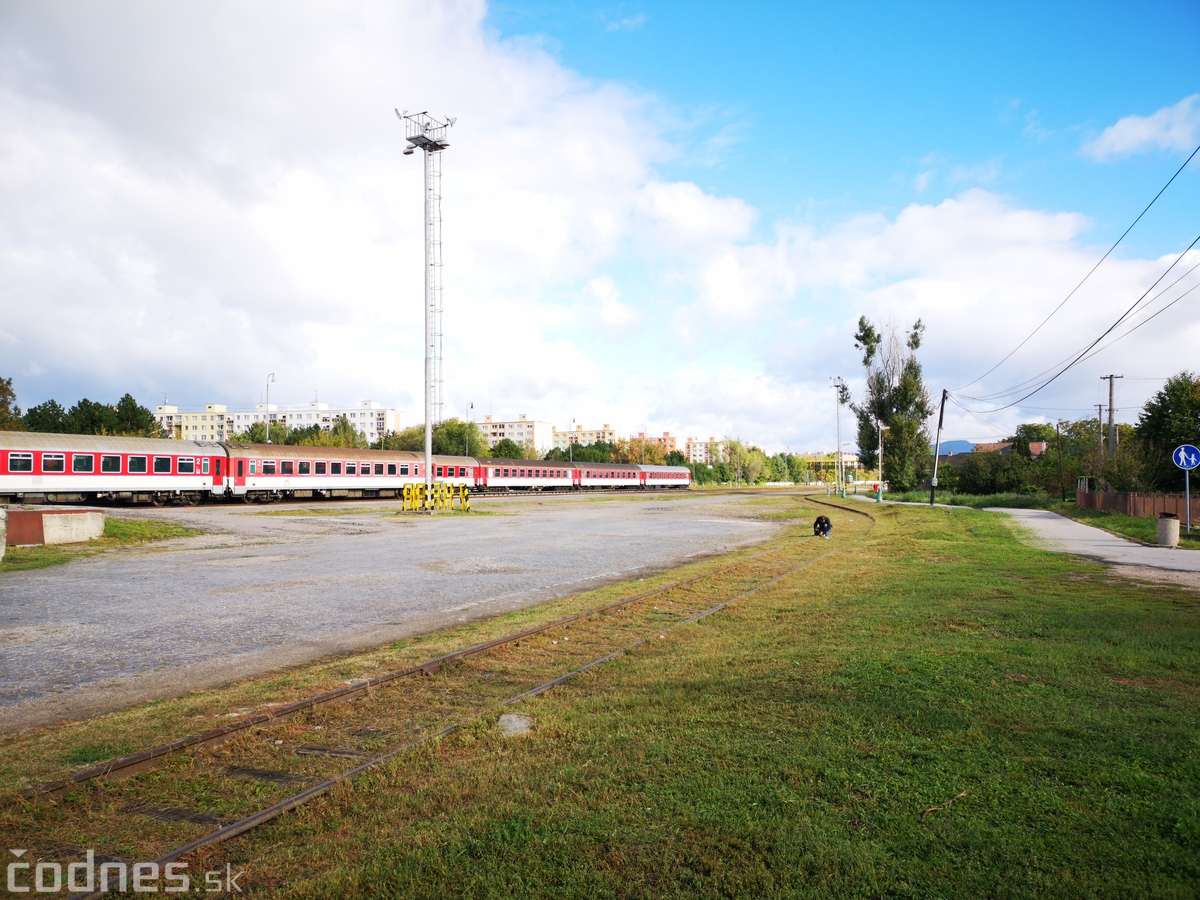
(428, 133)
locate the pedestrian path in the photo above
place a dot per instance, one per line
(1063, 535)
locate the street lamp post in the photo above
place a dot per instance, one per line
(267, 410)
(571, 444)
(467, 439)
(839, 385)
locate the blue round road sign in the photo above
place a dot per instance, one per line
(1186, 456)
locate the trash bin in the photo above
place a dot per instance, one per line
(1168, 530)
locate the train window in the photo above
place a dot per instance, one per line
(404, 470)
(335, 468)
(162, 465)
(53, 462)
(253, 465)
(364, 468)
(268, 467)
(204, 466)
(83, 462)
(110, 464)
(351, 468)
(137, 465)
(319, 468)
(20, 462)
(439, 471)
(462, 471)
(391, 468)
(241, 472)
(185, 466)
(506, 473)
(378, 468)
(286, 467)
(303, 467)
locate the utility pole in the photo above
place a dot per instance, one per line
(937, 447)
(1062, 478)
(571, 444)
(1100, 427)
(1112, 427)
(839, 385)
(427, 133)
(470, 406)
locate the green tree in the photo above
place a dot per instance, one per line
(10, 413)
(599, 452)
(506, 449)
(675, 458)
(255, 434)
(134, 420)
(896, 398)
(455, 437)
(46, 418)
(90, 417)
(1170, 418)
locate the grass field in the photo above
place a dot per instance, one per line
(117, 533)
(1144, 529)
(935, 711)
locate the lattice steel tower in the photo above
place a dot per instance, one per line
(427, 133)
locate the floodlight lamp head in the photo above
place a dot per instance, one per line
(408, 151)
(452, 120)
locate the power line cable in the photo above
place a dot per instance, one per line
(1021, 385)
(1103, 334)
(1085, 277)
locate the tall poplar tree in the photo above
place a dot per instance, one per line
(895, 398)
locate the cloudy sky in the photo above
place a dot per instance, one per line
(663, 216)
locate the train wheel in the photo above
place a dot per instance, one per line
(158, 500)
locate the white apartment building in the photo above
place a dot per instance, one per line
(213, 423)
(523, 431)
(581, 437)
(370, 418)
(668, 441)
(216, 423)
(705, 452)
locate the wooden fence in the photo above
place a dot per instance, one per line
(1145, 505)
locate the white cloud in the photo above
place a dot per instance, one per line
(1171, 128)
(196, 195)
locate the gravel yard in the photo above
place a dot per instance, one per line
(277, 585)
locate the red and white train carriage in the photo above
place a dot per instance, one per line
(65, 468)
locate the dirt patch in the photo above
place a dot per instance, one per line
(1161, 576)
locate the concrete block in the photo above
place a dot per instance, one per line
(72, 526)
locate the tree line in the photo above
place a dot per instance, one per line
(896, 401)
(126, 417)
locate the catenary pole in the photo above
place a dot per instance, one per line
(937, 449)
(1062, 477)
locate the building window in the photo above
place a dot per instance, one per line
(162, 465)
(184, 466)
(110, 464)
(20, 462)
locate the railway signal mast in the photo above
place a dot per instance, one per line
(428, 133)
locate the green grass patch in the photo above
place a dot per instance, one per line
(118, 532)
(977, 501)
(94, 753)
(1143, 529)
(808, 742)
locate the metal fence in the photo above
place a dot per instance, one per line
(1145, 505)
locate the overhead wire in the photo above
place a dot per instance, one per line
(1079, 357)
(1087, 276)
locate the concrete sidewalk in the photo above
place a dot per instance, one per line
(1063, 535)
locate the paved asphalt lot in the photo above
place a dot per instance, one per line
(259, 591)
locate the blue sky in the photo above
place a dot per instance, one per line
(815, 111)
(659, 216)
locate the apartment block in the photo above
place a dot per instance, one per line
(582, 436)
(521, 431)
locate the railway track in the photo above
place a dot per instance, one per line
(213, 786)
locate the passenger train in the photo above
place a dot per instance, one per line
(70, 468)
